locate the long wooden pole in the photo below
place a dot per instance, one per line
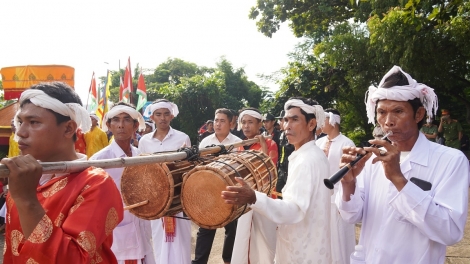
(77, 166)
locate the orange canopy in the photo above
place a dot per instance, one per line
(17, 79)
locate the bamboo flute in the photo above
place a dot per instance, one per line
(77, 166)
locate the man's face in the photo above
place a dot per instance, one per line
(122, 126)
(327, 128)
(221, 125)
(94, 122)
(398, 117)
(281, 123)
(148, 129)
(40, 135)
(268, 124)
(250, 126)
(162, 118)
(297, 130)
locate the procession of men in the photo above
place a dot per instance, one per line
(410, 194)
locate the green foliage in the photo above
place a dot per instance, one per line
(198, 91)
(350, 45)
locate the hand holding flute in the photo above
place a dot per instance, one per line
(353, 160)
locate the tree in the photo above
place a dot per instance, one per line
(355, 42)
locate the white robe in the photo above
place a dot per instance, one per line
(343, 234)
(178, 251)
(413, 225)
(303, 216)
(131, 238)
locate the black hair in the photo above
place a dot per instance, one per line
(60, 91)
(308, 101)
(226, 112)
(308, 117)
(399, 79)
(332, 110)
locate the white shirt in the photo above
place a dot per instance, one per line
(411, 226)
(212, 140)
(303, 216)
(148, 144)
(178, 251)
(343, 235)
(131, 238)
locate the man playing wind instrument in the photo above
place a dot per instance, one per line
(56, 218)
(411, 195)
(131, 238)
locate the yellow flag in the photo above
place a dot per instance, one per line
(104, 99)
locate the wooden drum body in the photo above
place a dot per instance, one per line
(159, 183)
(202, 186)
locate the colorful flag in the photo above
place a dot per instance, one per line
(141, 91)
(94, 98)
(126, 93)
(103, 103)
(121, 88)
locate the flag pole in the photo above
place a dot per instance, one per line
(89, 90)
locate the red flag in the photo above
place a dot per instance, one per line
(126, 93)
(121, 88)
(141, 91)
(94, 96)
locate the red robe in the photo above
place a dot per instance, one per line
(82, 209)
(272, 149)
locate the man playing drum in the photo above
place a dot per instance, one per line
(131, 238)
(56, 218)
(303, 215)
(205, 237)
(171, 236)
(256, 235)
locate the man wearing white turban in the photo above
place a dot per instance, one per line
(132, 236)
(412, 194)
(62, 217)
(343, 235)
(303, 215)
(171, 236)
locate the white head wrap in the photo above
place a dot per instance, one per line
(400, 93)
(119, 109)
(95, 117)
(75, 111)
(317, 110)
(169, 105)
(250, 113)
(151, 124)
(334, 119)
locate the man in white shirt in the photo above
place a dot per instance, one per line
(131, 238)
(303, 215)
(343, 235)
(205, 237)
(412, 194)
(178, 249)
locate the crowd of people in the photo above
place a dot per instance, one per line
(408, 187)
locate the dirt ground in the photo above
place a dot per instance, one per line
(456, 254)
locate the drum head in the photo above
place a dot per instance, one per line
(150, 182)
(201, 198)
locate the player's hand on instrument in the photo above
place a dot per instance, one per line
(349, 155)
(25, 172)
(389, 155)
(239, 195)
